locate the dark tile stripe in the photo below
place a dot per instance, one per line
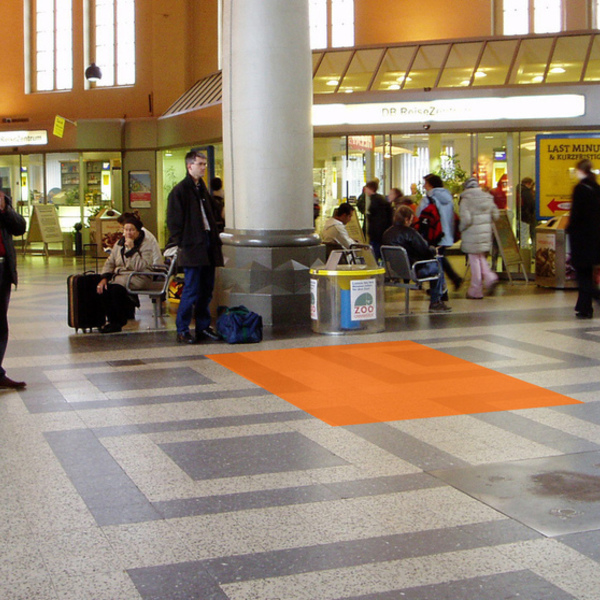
(339, 555)
(296, 495)
(537, 432)
(174, 398)
(516, 584)
(110, 495)
(406, 447)
(209, 423)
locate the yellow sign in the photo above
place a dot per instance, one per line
(557, 156)
(59, 126)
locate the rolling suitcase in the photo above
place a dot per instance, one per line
(86, 309)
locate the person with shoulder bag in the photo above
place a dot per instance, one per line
(584, 235)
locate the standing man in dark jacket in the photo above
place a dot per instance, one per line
(193, 227)
(11, 223)
(379, 216)
(584, 235)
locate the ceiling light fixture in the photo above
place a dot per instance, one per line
(93, 73)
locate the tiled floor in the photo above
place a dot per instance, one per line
(133, 467)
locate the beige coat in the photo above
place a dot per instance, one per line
(119, 265)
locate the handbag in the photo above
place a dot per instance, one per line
(238, 325)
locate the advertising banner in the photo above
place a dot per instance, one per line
(314, 311)
(363, 299)
(556, 157)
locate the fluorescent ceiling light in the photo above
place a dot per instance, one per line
(332, 82)
(557, 70)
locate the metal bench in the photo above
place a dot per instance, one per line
(157, 286)
(400, 273)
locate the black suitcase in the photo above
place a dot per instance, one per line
(86, 309)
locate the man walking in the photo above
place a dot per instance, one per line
(193, 228)
(11, 223)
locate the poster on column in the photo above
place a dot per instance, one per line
(556, 157)
(363, 299)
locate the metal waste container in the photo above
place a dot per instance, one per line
(553, 256)
(347, 294)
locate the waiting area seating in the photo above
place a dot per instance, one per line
(158, 285)
(400, 273)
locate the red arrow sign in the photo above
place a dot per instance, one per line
(555, 205)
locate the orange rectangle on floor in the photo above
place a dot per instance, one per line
(386, 381)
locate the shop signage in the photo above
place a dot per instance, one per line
(361, 142)
(44, 225)
(556, 157)
(363, 299)
(560, 106)
(24, 138)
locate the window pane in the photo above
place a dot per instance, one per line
(318, 23)
(426, 67)
(547, 16)
(516, 17)
(44, 81)
(361, 71)
(495, 62)
(126, 74)
(330, 71)
(592, 72)
(531, 61)
(393, 69)
(460, 64)
(567, 60)
(64, 78)
(45, 61)
(342, 23)
(45, 41)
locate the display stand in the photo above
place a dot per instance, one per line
(507, 244)
(354, 229)
(44, 226)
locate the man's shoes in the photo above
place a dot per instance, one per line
(208, 333)
(111, 328)
(584, 315)
(439, 307)
(7, 382)
(185, 338)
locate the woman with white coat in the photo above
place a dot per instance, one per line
(477, 212)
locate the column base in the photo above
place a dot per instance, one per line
(271, 281)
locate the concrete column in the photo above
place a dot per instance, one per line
(269, 241)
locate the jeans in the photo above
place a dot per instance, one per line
(4, 300)
(198, 285)
(439, 285)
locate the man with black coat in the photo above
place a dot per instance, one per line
(379, 216)
(193, 228)
(11, 223)
(584, 235)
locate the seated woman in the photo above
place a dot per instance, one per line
(401, 233)
(133, 252)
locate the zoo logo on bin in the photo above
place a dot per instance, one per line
(363, 299)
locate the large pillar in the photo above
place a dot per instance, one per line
(269, 242)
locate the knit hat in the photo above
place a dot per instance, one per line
(470, 183)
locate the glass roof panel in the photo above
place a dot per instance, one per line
(495, 62)
(360, 71)
(330, 71)
(426, 67)
(316, 57)
(568, 58)
(592, 73)
(393, 68)
(531, 62)
(460, 64)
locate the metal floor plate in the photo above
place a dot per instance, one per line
(555, 495)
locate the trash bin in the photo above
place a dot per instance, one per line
(347, 294)
(553, 255)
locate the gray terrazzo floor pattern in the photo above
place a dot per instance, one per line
(134, 468)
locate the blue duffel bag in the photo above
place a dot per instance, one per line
(238, 325)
